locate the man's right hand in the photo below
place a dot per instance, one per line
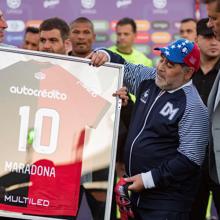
(98, 58)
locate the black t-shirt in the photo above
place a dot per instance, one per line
(204, 82)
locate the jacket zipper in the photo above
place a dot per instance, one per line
(145, 121)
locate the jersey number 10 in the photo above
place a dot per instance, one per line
(40, 114)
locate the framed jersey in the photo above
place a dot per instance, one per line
(58, 130)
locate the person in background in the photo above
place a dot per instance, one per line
(204, 80)
(54, 33)
(213, 11)
(188, 29)
(126, 31)
(3, 26)
(82, 37)
(31, 39)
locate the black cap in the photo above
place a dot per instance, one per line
(203, 29)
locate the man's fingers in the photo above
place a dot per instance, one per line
(93, 58)
(120, 94)
(132, 186)
(124, 103)
(103, 60)
(129, 179)
(97, 58)
(124, 98)
(122, 90)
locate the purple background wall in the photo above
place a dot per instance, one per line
(158, 20)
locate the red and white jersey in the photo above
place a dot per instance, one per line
(58, 107)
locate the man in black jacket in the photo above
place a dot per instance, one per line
(168, 132)
(203, 80)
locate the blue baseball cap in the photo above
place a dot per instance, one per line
(182, 51)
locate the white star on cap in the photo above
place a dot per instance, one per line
(183, 44)
(186, 41)
(179, 46)
(185, 50)
(173, 46)
(167, 53)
